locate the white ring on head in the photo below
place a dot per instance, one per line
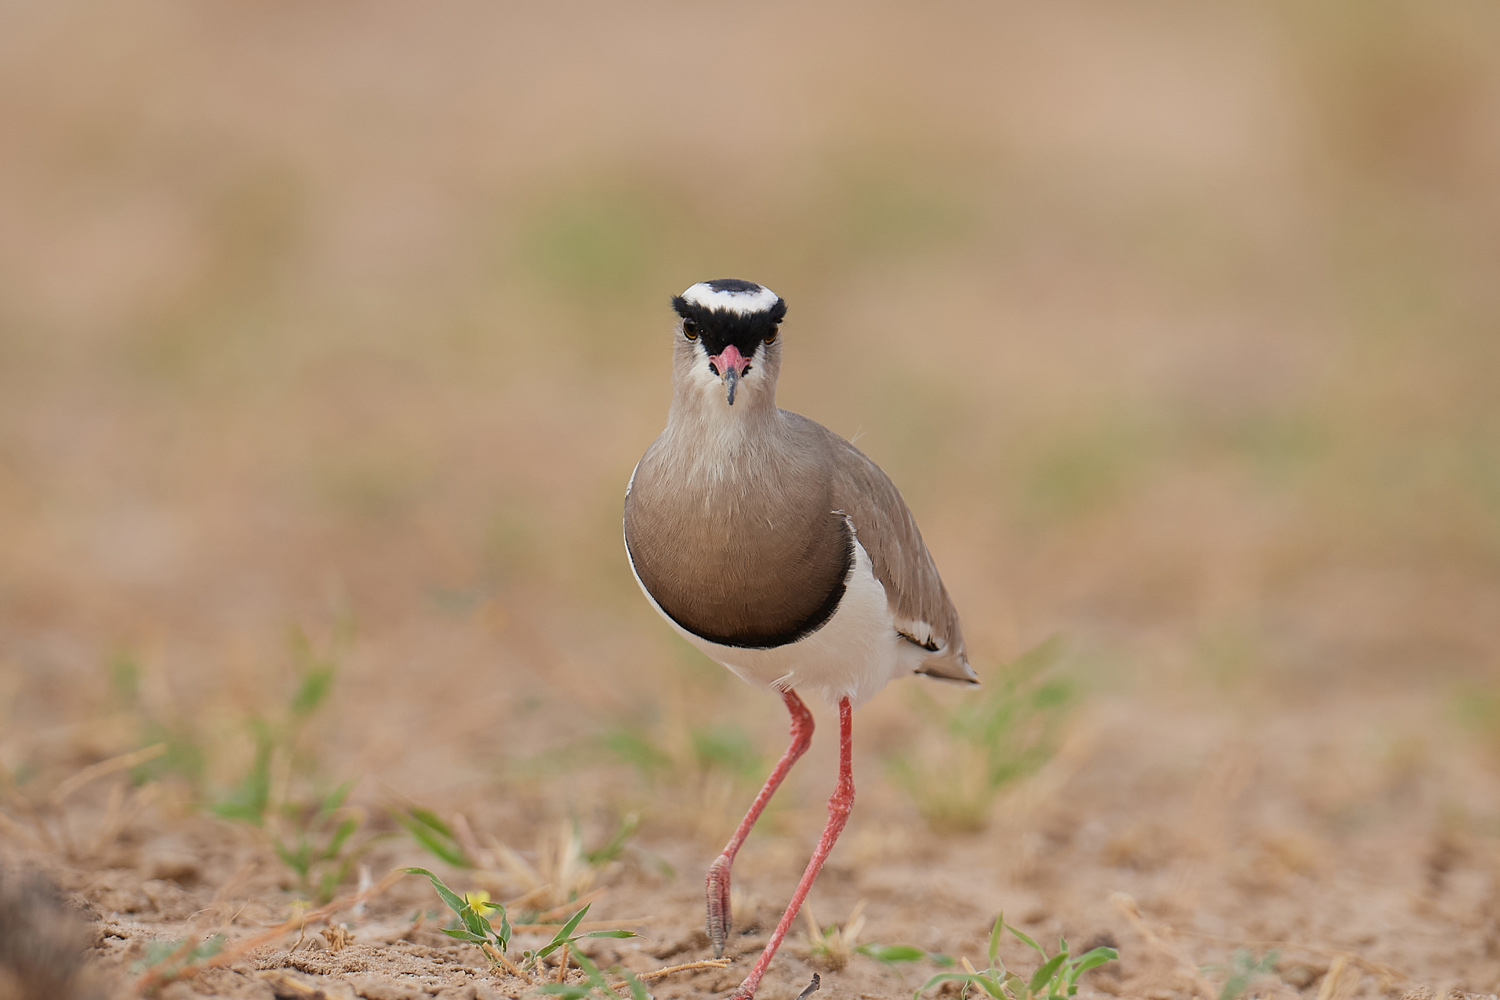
(744, 303)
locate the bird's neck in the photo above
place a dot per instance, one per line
(708, 438)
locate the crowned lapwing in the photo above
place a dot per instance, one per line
(781, 551)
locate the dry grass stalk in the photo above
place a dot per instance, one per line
(708, 963)
(834, 948)
(509, 966)
(39, 833)
(1185, 964)
(337, 936)
(569, 907)
(587, 925)
(1330, 985)
(464, 834)
(527, 898)
(1387, 973)
(123, 762)
(564, 878)
(11, 828)
(1219, 787)
(158, 976)
(1021, 802)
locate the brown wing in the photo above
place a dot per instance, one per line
(885, 527)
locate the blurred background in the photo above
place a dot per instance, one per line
(1177, 324)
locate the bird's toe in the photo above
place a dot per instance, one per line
(720, 916)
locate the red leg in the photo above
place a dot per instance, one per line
(838, 813)
(720, 918)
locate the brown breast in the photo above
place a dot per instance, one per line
(757, 560)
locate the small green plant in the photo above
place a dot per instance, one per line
(474, 926)
(729, 749)
(1055, 979)
(316, 851)
(989, 739)
(278, 743)
(633, 745)
(1245, 969)
(612, 848)
(184, 755)
(166, 958)
(311, 827)
(597, 987)
(830, 948)
(567, 867)
(720, 748)
(250, 797)
(1477, 709)
(477, 928)
(896, 954)
(436, 837)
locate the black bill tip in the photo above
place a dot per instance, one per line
(812, 987)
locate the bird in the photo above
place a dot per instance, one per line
(781, 551)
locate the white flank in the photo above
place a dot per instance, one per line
(855, 654)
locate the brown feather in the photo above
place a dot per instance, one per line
(885, 527)
(738, 520)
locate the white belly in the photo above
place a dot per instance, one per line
(852, 656)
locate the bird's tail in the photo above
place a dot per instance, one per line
(949, 667)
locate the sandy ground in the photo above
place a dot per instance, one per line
(329, 337)
(1179, 837)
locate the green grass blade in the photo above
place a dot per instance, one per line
(991, 987)
(892, 953)
(433, 838)
(596, 978)
(503, 934)
(287, 855)
(455, 903)
(472, 920)
(476, 923)
(340, 837)
(314, 688)
(429, 819)
(1027, 940)
(1092, 960)
(1044, 975)
(611, 850)
(336, 798)
(637, 988)
(944, 977)
(563, 935)
(995, 933)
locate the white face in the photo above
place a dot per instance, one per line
(727, 351)
(694, 372)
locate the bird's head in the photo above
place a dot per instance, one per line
(727, 349)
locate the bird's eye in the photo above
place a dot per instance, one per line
(771, 337)
(690, 329)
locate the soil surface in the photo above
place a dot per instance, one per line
(329, 337)
(1331, 867)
